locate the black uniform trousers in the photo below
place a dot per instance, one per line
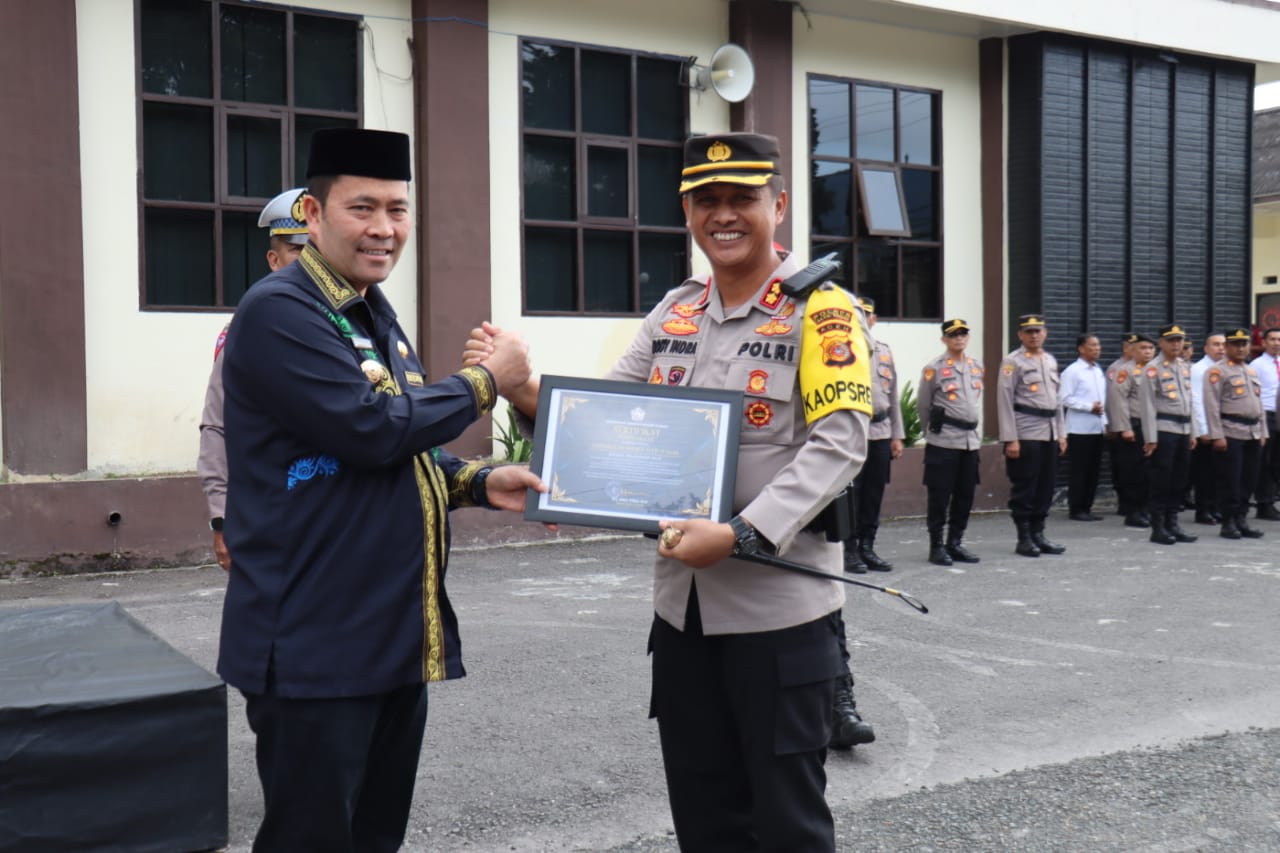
(1204, 477)
(1031, 479)
(1131, 472)
(1237, 470)
(1167, 472)
(1267, 488)
(744, 721)
(1084, 453)
(868, 487)
(337, 774)
(950, 476)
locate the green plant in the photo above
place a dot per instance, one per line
(910, 417)
(515, 447)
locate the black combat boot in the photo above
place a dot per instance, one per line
(853, 562)
(1137, 519)
(1159, 535)
(1246, 531)
(958, 552)
(1229, 529)
(848, 729)
(1171, 526)
(874, 561)
(1045, 546)
(1026, 545)
(1268, 512)
(937, 554)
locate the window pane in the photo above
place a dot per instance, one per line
(881, 202)
(875, 123)
(549, 185)
(607, 270)
(657, 186)
(829, 118)
(878, 275)
(244, 254)
(253, 156)
(920, 189)
(252, 55)
(547, 86)
(664, 263)
(179, 257)
(324, 63)
(607, 174)
(832, 210)
(661, 100)
(606, 93)
(916, 117)
(551, 265)
(176, 48)
(921, 283)
(177, 152)
(822, 248)
(303, 128)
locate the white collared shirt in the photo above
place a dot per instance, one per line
(1084, 384)
(1198, 371)
(1266, 367)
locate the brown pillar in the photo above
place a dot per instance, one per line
(763, 29)
(991, 117)
(451, 85)
(42, 348)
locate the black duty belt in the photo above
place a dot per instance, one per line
(1177, 419)
(880, 416)
(956, 422)
(1034, 412)
(1240, 419)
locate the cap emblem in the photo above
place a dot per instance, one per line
(718, 152)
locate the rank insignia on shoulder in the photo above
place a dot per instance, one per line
(758, 381)
(772, 297)
(680, 326)
(656, 378)
(758, 413)
(675, 374)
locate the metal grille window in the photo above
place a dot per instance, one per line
(601, 134)
(229, 97)
(875, 157)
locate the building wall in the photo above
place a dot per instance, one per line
(146, 370)
(1266, 262)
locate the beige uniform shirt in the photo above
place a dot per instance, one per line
(1119, 385)
(1233, 394)
(787, 472)
(1166, 391)
(1030, 382)
(211, 465)
(955, 387)
(887, 421)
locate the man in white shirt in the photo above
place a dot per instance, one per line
(1084, 391)
(1268, 367)
(1202, 470)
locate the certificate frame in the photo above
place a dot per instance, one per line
(643, 438)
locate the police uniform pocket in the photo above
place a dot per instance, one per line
(768, 414)
(806, 689)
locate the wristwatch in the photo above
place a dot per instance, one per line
(747, 541)
(215, 524)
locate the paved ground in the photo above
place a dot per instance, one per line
(1124, 696)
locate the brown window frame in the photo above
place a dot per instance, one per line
(221, 112)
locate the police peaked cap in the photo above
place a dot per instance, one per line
(749, 159)
(363, 153)
(283, 216)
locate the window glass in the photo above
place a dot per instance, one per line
(179, 257)
(877, 275)
(176, 47)
(606, 257)
(324, 63)
(551, 269)
(244, 254)
(303, 128)
(253, 156)
(915, 110)
(831, 197)
(874, 123)
(252, 55)
(659, 114)
(664, 263)
(549, 186)
(882, 204)
(607, 174)
(921, 282)
(920, 191)
(658, 179)
(177, 152)
(844, 252)
(829, 118)
(547, 86)
(606, 93)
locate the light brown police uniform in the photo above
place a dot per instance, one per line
(956, 388)
(1166, 391)
(211, 465)
(787, 472)
(1236, 391)
(1027, 380)
(886, 423)
(1124, 384)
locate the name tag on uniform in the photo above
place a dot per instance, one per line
(361, 343)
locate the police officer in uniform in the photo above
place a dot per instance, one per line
(884, 445)
(1203, 465)
(1165, 411)
(1125, 381)
(1124, 505)
(745, 656)
(1033, 431)
(287, 236)
(949, 402)
(1237, 427)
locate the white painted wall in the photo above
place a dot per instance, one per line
(146, 371)
(1266, 253)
